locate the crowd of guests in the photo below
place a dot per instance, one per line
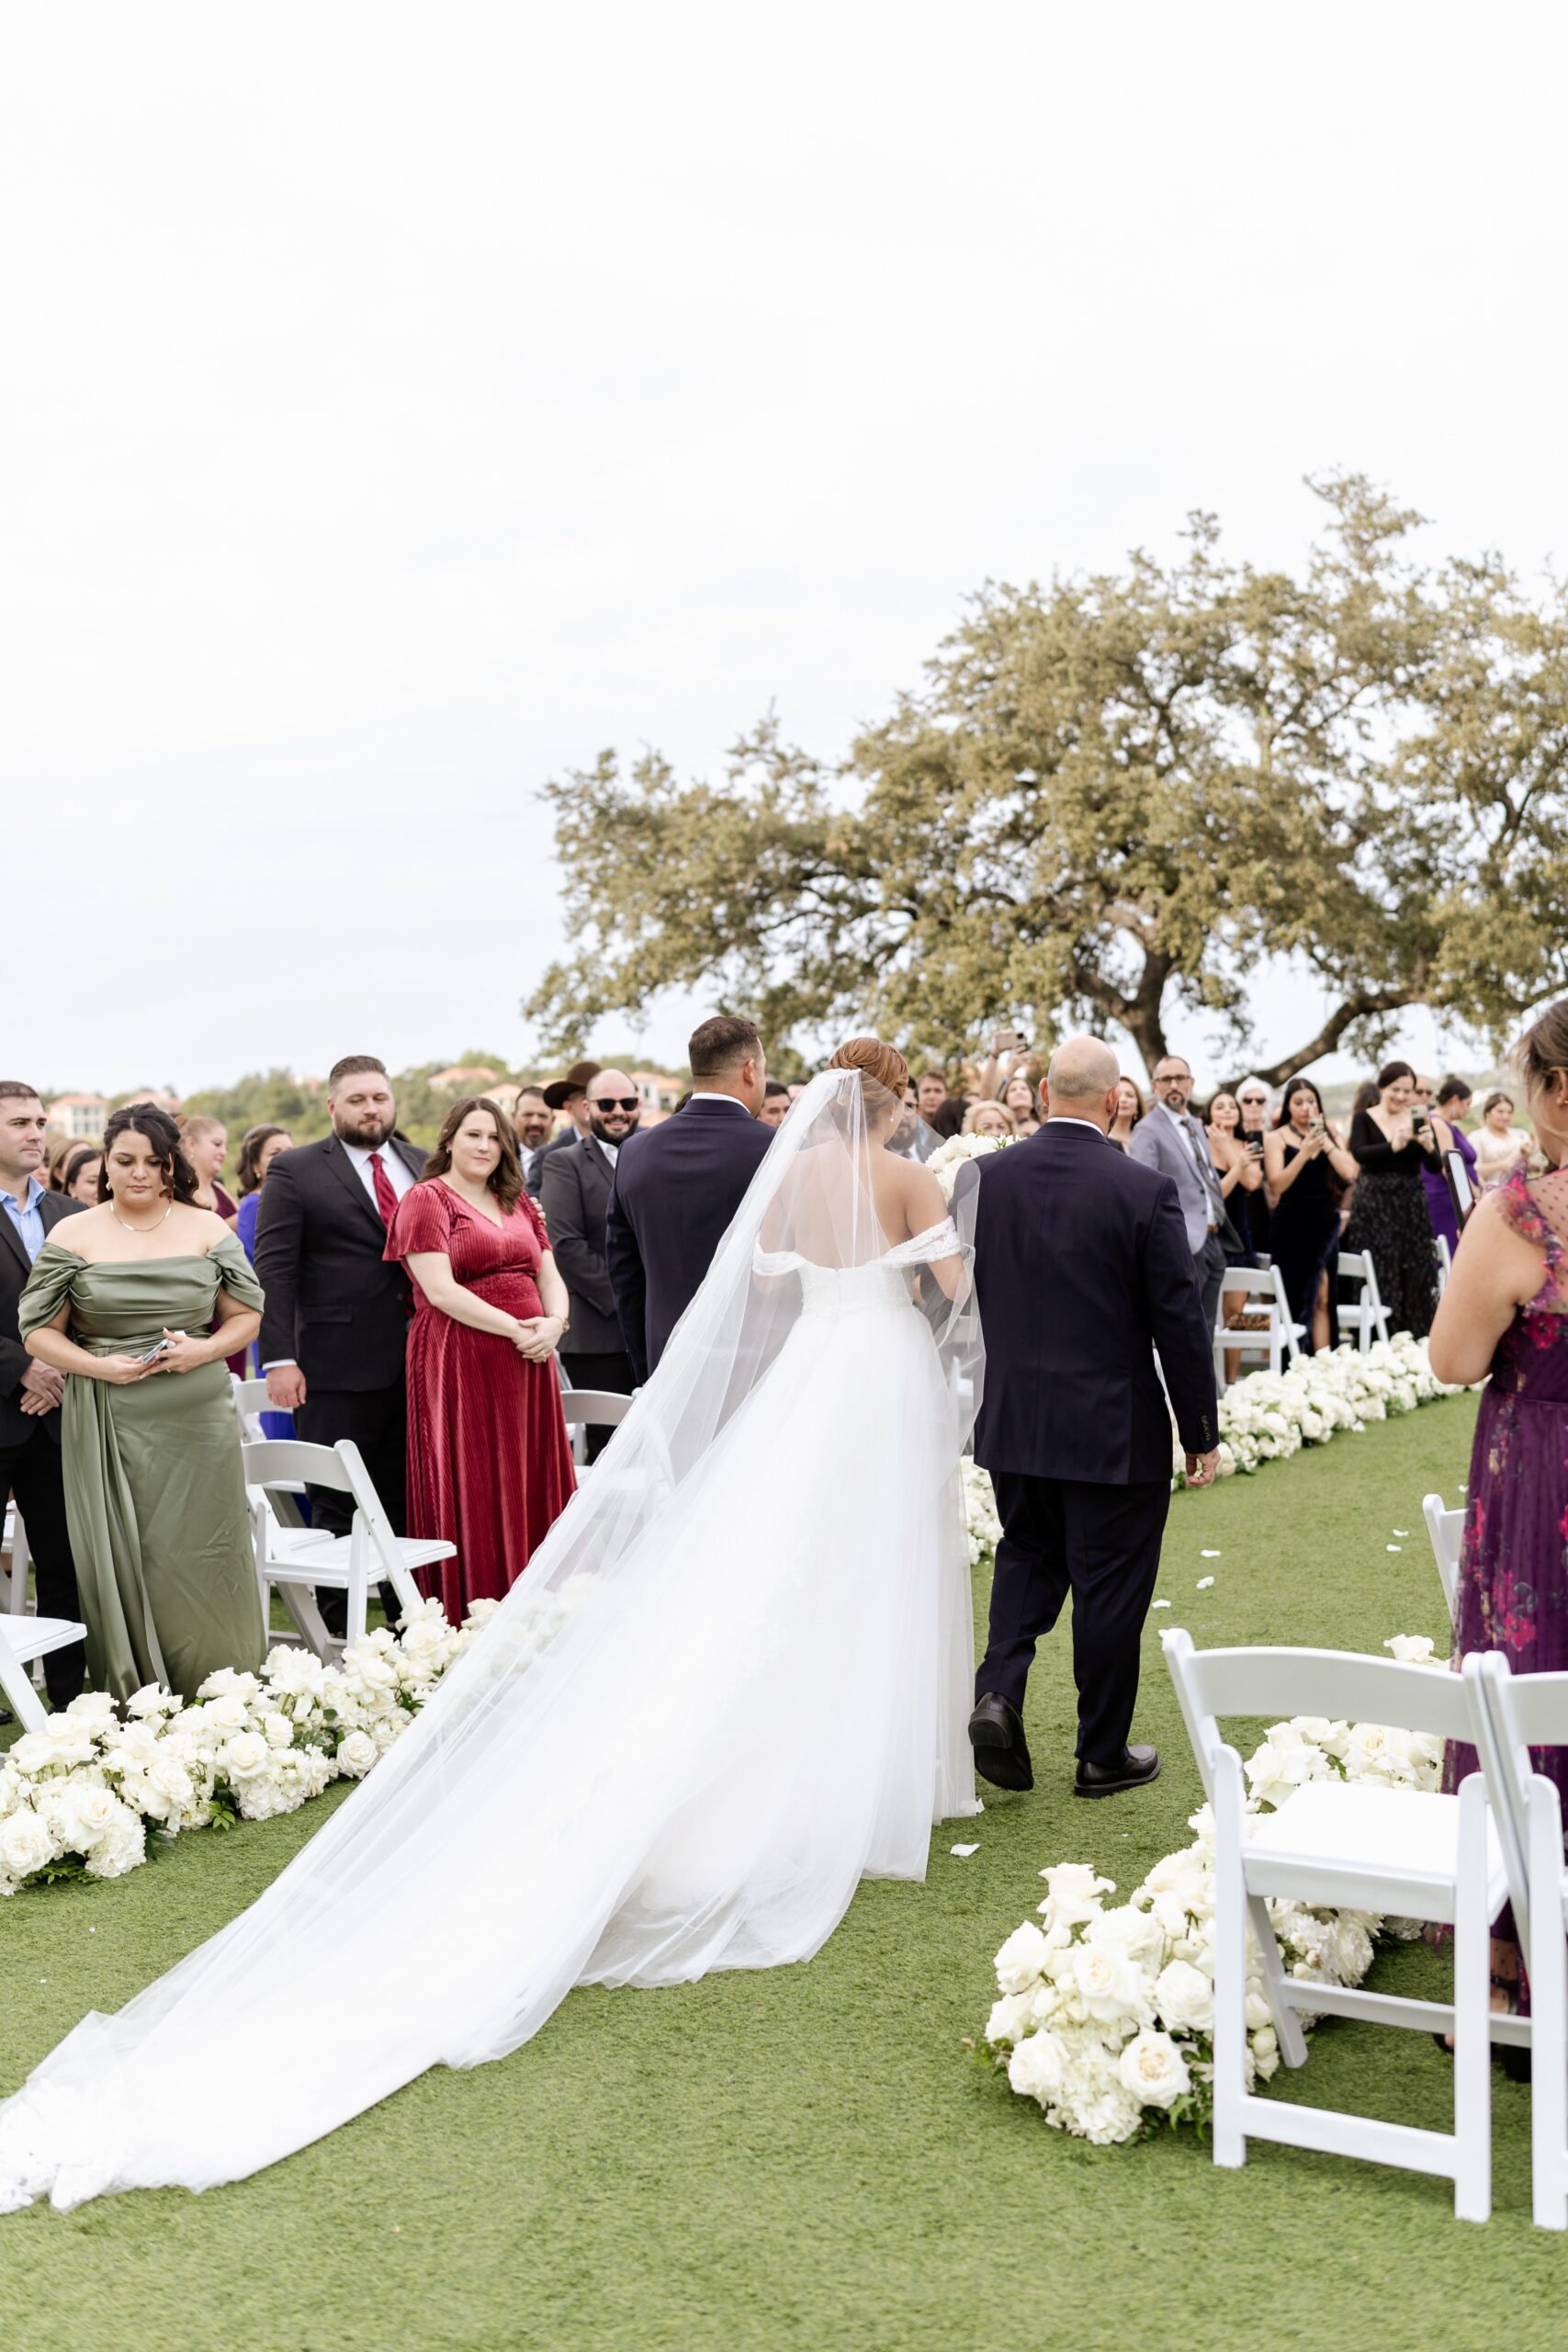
(430, 1305)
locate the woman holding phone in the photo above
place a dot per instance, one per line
(1390, 1144)
(138, 1301)
(1302, 1156)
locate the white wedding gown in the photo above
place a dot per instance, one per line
(734, 1680)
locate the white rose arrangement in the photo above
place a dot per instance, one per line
(1105, 2018)
(79, 1798)
(1267, 1416)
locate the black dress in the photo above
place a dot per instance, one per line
(1304, 1237)
(1249, 1216)
(1389, 1221)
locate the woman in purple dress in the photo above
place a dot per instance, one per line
(1506, 1313)
(1454, 1099)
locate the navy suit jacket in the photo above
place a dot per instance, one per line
(677, 1186)
(1082, 1268)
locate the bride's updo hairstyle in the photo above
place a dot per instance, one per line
(884, 1072)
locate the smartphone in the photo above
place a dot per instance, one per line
(160, 1348)
(1460, 1190)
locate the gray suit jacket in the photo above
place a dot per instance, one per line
(575, 1196)
(1157, 1143)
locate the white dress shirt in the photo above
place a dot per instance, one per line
(1065, 1119)
(706, 1095)
(609, 1149)
(399, 1175)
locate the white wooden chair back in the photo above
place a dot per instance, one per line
(1276, 1338)
(1364, 1316)
(250, 1401)
(1445, 1529)
(24, 1641)
(15, 1595)
(1444, 1257)
(586, 1409)
(1333, 1842)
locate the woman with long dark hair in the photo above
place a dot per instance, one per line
(1390, 1144)
(488, 1463)
(1302, 1158)
(137, 1302)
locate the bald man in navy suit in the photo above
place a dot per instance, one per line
(1083, 1271)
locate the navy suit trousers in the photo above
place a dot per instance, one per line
(1101, 1543)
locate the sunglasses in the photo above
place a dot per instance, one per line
(614, 1102)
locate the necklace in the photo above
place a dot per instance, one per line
(168, 1212)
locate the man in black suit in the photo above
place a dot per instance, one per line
(533, 1122)
(30, 1393)
(335, 1325)
(678, 1185)
(568, 1094)
(576, 1202)
(1082, 1269)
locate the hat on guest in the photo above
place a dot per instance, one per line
(559, 1091)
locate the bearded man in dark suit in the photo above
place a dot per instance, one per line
(575, 1198)
(334, 1328)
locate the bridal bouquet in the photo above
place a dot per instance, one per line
(1269, 1415)
(1105, 2015)
(949, 1158)
(78, 1798)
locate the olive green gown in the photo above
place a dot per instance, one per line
(154, 1487)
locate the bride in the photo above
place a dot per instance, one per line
(685, 1736)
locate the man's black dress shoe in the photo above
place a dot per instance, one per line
(1002, 1752)
(1137, 1765)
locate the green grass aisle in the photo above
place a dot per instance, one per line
(806, 2158)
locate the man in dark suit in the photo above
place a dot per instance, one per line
(568, 1094)
(576, 1202)
(1082, 1269)
(335, 1325)
(678, 1185)
(30, 1393)
(533, 1122)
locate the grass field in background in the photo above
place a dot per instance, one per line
(806, 2157)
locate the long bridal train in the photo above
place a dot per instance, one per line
(734, 1679)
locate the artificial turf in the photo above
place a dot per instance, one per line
(806, 2157)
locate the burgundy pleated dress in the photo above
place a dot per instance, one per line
(488, 1460)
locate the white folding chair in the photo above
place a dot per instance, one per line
(19, 1556)
(24, 1642)
(1444, 1257)
(1275, 1338)
(1523, 1711)
(1445, 1529)
(586, 1409)
(1366, 1315)
(1419, 1856)
(299, 1561)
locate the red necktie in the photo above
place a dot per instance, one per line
(386, 1199)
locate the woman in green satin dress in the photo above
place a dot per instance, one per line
(155, 1487)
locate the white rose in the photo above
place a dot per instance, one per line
(150, 1700)
(122, 1847)
(1154, 2070)
(1266, 2051)
(1020, 1959)
(25, 1844)
(1411, 1649)
(228, 1682)
(1110, 1983)
(1010, 2018)
(294, 1673)
(245, 1756)
(92, 1812)
(357, 1754)
(1185, 1998)
(93, 1707)
(1139, 1933)
(228, 1713)
(276, 1730)
(32, 1753)
(1035, 2067)
(71, 1741)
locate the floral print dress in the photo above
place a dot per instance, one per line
(1512, 1578)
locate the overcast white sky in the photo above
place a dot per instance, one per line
(400, 404)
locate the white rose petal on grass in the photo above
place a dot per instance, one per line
(1211, 1555)
(1394, 1547)
(1204, 1582)
(1154, 2070)
(963, 1852)
(1159, 1604)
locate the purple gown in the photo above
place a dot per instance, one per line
(1513, 1572)
(1440, 1206)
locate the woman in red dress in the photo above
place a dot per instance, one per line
(488, 1461)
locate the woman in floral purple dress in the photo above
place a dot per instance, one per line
(1506, 1313)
